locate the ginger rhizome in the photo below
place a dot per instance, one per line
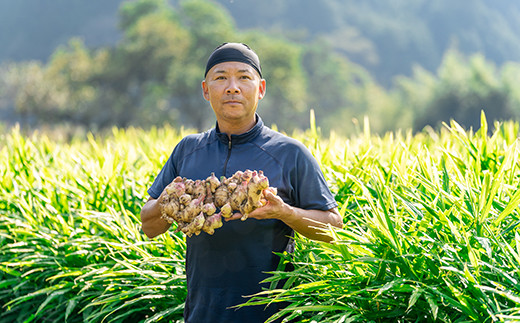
(200, 205)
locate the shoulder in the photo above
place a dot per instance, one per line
(277, 141)
(286, 151)
(191, 144)
(274, 137)
(194, 141)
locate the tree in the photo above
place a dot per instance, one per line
(58, 91)
(461, 89)
(333, 86)
(510, 78)
(130, 12)
(142, 64)
(208, 25)
(285, 101)
(112, 86)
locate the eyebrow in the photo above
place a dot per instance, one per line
(239, 71)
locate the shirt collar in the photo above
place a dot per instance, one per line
(244, 137)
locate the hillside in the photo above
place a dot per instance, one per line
(387, 38)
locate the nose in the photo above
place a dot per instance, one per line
(232, 87)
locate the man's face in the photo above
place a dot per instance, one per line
(233, 90)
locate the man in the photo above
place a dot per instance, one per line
(223, 268)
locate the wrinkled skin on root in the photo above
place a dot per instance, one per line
(212, 222)
(255, 188)
(221, 195)
(226, 210)
(195, 226)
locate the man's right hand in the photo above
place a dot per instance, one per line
(151, 221)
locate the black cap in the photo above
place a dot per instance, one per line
(233, 52)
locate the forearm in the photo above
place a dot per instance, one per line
(151, 221)
(312, 223)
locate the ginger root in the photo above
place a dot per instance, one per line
(200, 205)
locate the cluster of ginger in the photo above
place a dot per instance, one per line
(193, 204)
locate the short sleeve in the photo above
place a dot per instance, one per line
(311, 190)
(165, 177)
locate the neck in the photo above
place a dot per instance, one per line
(232, 128)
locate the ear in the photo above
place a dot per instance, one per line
(205, 91)
(262, 89)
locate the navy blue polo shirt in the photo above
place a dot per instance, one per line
(223, 268)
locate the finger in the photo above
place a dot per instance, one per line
(272, 198)
(235, 216)
(267, 193)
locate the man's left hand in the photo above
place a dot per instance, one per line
(275, 208)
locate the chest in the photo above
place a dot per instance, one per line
(223, 160)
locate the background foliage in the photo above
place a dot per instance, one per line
(431, 229)
(408, 64)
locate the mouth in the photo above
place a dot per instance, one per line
(232, 102)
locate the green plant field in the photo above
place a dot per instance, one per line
(431, 230)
